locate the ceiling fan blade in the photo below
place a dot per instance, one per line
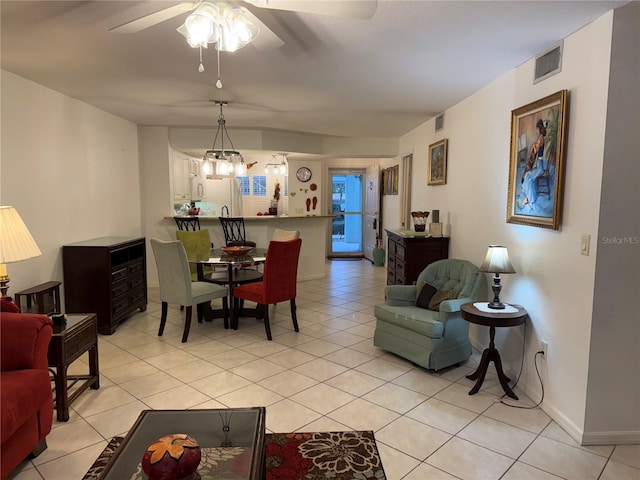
(349, 8)
(266, 39)
(152, 19)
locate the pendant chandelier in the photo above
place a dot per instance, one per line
(274, 167)
(227, 161)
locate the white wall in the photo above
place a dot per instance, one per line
(553, 281)
(70, 169)
(614, 359)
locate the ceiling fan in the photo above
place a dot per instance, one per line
(363, 9)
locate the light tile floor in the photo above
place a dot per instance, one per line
(327, 377)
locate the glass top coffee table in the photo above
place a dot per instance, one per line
(232, 442)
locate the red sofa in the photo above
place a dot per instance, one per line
(26, 399)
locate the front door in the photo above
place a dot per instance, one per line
(348, 207)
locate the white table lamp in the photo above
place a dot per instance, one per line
(16, 243)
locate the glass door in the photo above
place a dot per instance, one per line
(347, 194)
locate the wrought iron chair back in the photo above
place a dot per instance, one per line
(187, 223)
(234, 232)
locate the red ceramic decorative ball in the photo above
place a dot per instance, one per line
(173, 457)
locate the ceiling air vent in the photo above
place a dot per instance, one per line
(548, 63)
(439, 122)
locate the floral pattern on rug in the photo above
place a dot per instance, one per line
(323, 456)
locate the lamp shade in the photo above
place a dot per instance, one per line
(497, 260)
(16, 242)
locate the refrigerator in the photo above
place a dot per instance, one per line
(220, 192)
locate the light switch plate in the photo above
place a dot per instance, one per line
(584, 244)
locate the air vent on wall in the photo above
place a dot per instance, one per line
(440, 122)
(548, 63)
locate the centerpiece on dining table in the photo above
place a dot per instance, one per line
(237, 250)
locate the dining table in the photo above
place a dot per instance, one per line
(235, 273)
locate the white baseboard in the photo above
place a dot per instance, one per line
(611, 438)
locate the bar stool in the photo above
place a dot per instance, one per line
(234, 233)
(188, 223)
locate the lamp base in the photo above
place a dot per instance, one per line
(496, 287)
(496, 305)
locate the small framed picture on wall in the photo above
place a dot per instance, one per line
(437, 163)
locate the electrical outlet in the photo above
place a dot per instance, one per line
(544, 346)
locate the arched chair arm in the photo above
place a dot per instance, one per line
(398, 295)
(454, 305)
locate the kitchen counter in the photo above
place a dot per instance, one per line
(259, 217)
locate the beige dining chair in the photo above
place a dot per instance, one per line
(285, 235)
(177, 288)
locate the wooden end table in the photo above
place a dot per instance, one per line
(68, 343)
(492, 319)
(39, 292)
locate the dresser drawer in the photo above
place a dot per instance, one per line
(137, 267)
(136, 296)
(391, 262)
(118, 275)
(119, 289)
(136, 281)
(120, 305)
(400, 269)
(391, 277)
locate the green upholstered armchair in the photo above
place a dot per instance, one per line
(433, 339)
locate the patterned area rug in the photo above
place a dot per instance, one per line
(300, 456)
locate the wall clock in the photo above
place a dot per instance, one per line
(303, 174)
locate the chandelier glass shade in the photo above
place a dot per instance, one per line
(227, 161)
(277, 168)
(228, 26)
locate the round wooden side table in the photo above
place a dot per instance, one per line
(492, 319)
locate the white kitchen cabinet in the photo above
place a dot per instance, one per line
(184, 169)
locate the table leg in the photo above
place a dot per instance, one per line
(491, 354)
(480, 372)
(232, 303)
(62, 399)
(93, 367)
(503, 378)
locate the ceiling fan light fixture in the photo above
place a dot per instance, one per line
(236, 29)
(200, 28)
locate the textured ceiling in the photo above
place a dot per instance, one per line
(350, 77)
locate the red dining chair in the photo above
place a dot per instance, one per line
(278, 283)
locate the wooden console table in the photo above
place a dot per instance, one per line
(497, 318)
(68, 343)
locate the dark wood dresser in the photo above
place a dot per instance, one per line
(106, 276)
(409, 253)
